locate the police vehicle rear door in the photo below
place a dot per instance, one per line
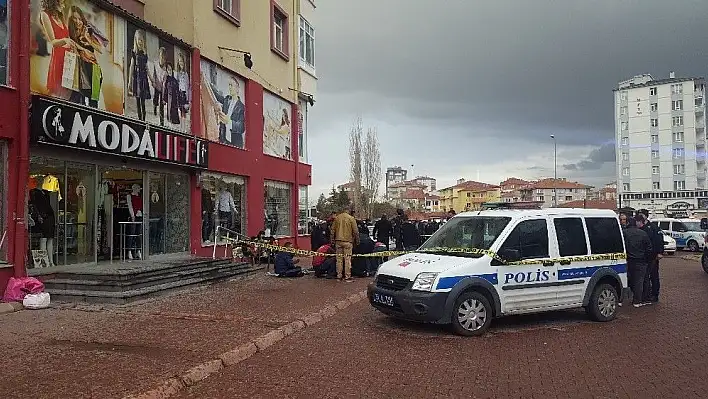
(573, 272)
(528, 287)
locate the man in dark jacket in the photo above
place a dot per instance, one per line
(397, 232)
(285, 264)
(639, 250)
(383, 229)
(410, 235)
(652, 283)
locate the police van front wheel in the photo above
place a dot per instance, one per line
(472, 314)
(603, 303)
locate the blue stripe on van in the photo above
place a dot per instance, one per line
(563, 274)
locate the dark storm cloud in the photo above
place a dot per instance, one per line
(595, 160)
(509, 64)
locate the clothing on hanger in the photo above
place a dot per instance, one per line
(51, 184)
(32, 183)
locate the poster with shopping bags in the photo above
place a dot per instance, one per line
(69, 76)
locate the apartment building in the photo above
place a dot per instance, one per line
(468, 196)
(395, 174)
(660, 129)
(552, 192)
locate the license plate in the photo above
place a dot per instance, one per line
(383, 299)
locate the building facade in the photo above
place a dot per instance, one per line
(394, 175)
(660, 128)
(165, 123)
(468, 196)
(546, 191)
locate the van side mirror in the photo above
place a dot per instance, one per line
(510, 255)
(704, 223)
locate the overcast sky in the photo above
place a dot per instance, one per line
(465, 88)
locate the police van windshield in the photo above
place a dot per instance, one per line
(467, 232)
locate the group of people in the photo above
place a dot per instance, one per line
(644, 245)
(406, 234)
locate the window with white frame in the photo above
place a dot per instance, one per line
(652, 91)
(625, 140)
(624, 126)
(625, 171)
(677, 121)
(623, 95)
(699, 101)
(654, 138)
(280, 31)
(654, 107)
(654, 123)
(277, 208)
(679, 185)
(654, 170)
(623, 110)
(679, 169)
(230, 9)
(678, 137)
(677, 89)
(625, 156)
(307, 42)
(677, 105)
(655, 154)
(303, 212)
(678, 152)
(656, 186)
(625, 186)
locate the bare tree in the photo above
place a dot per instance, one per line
(371, 165)
(355, 151)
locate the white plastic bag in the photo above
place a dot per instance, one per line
(36, 301)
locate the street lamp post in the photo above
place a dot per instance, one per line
(555, 170)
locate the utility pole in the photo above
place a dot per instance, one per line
(555, 170)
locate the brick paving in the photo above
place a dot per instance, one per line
(112, 351)
(653, 352)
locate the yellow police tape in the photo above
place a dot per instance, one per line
(436, 250)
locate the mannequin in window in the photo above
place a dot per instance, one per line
(135, 208)
(226, 207)
(273, 215)
(42, 213)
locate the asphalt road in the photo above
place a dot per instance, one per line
(658, 351)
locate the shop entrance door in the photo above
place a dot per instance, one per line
(120, 214)
(156, 211)
(76, 220)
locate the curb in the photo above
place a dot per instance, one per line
(696, 258)
(237, 355)
(10, 307)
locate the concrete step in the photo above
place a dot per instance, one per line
(79, 282)
(129, 295)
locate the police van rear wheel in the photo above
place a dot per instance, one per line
(693, 246)
(603, 303)
(472, 314)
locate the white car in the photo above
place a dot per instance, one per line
(514, 262)
(669, 243)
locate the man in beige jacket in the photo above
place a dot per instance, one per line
(345, 235)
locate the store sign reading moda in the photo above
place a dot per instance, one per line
(64, 124)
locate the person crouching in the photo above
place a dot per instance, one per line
(325, 266)
(285, 264)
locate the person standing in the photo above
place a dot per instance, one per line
(652, 283)
(345, 235)
(639, 249)
(397, 231)
(383, 230)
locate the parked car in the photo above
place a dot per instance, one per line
(669, 243)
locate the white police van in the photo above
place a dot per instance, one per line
(687, 232)
(552, 259)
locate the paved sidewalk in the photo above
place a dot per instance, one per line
(112, 351)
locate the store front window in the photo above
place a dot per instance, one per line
(84, 213)
(277, 208)
(303, 212)
(223, 204)
(4, 39)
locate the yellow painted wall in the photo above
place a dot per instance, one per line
(205, 29)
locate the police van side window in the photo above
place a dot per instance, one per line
(530, 238)
(664, 225)
(571, 236)
(605, 236)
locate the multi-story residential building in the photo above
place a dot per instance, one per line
(606, 193)
(660, 129)
(413, 199)
(510, 189)
(432, 203)
(468, 195)
(395, 174)
(190, 115)
(396, 190)
(546, 191)
(429, 182)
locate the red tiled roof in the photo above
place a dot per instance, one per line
(427, 215)
(413, 194)
(347, 185)
(432, 197)
(406, 184)
(514, 181)
(475, 186)
(511, 194)
(554, 183)
(590, 204)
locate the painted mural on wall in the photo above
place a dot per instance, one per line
(277, 138)
(84, 54)
(4, 40)
(157, 80)
(223, 108)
